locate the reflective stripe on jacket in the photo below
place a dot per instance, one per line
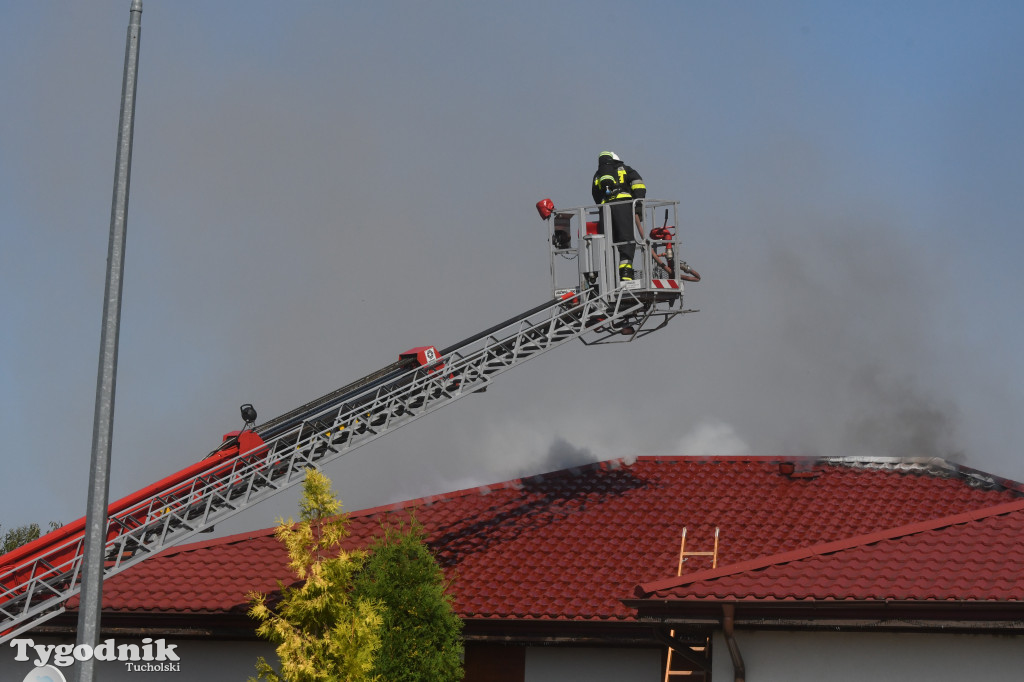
(615, 181)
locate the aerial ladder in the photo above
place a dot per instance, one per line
(250, 465)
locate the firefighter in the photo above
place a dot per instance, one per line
(617, 184)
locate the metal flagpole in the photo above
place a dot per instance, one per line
(103, 420)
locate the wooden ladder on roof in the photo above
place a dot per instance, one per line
(683, 556)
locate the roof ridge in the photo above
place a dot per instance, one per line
(729, 458)
(215, 542)
(483, 489)
(645, 589)
(613, 463)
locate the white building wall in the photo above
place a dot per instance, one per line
(214, 661)
(566, 664)
(878, 657)
(769, 657)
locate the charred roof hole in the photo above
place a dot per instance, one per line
(799, 470)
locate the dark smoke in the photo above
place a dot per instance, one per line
(561, 455)
(897, 420)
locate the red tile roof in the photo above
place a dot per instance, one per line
(972, 556)
(570, 545)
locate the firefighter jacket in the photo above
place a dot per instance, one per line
(615, 181)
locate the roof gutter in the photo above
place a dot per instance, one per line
(728, 629)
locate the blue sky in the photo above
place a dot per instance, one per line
(318, 186)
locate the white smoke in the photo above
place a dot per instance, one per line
(712, 438)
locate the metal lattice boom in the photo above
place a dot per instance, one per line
(36, 589)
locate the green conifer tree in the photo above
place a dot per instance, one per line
(421, 639)
(324, 631)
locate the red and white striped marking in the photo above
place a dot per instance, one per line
(666, 284)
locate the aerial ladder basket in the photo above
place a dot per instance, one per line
(584, 258)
